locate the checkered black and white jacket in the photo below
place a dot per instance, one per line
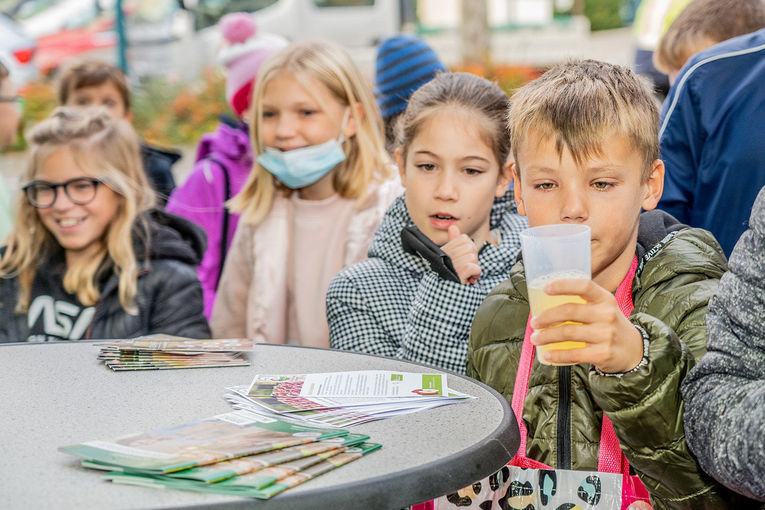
(393, 305)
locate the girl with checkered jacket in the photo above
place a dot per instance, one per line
(320, 185)
(445, 243)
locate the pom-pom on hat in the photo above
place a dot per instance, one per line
(244, 52)
(404, 63)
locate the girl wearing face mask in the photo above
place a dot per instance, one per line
(88, 256)
(320, 185)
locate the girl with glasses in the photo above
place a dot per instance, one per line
(89, 257)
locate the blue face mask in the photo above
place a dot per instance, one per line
(302, 167)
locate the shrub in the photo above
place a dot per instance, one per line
(508, 78)
(603, 14)
(165, 114)
(170, 114)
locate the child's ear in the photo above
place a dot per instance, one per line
(401, 167)
(129, 116)
(505, 178)
(517, 189)
(351, 126)
(654, 185)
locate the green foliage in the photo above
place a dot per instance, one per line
(39, 100)
(603, 14)
(170, 114)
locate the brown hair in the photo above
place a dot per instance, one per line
(464, 91)
(704, 23)
(390, 126)
(93, 74)
(104, 148)
(579, 104)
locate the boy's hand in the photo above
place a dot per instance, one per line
(613, 344)
(464, 254)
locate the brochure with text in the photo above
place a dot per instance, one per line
(158, 352)
(169, 343)
(251, 463)
(262, 484)
(199, 443)
(367, 395)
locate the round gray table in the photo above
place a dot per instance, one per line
(60, 394)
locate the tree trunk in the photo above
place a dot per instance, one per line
(474, 32)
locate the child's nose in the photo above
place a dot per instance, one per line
(574, 207)
(446, 188)
(285, 126)
(63, 202)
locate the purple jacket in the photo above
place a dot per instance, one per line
(200, 199)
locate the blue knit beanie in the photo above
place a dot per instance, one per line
(404, 63)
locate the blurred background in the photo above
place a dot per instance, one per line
(168, 47)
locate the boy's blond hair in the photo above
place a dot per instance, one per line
(366, 159)
(104, 148)
(580, 104)
(704, 23)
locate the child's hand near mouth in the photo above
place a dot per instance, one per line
(464, 255)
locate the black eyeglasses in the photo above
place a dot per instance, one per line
(43, 194)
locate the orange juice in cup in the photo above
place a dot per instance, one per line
(554, 252)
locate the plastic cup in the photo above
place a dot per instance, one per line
(554, 252)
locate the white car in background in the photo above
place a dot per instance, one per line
(163, 34)
(357, 25)
(18, 51)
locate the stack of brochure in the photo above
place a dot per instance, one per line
(157, 352)
(239, 453)
(342, 399)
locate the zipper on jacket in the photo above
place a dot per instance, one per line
(564, 418)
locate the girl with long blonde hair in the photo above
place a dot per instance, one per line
(320, 185)
(88, 256)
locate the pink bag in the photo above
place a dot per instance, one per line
(611, 459)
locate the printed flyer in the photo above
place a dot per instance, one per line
(221, 437)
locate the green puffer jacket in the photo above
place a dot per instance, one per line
(678, 271)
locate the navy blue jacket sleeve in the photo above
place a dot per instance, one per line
(681, 139)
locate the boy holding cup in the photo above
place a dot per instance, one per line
(584, 139)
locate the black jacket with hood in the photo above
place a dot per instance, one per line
(168, 297)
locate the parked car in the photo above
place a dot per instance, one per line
(357, 25)
(66, 29)
(352, 23)
(95, 36)
(18, 51)
(163, 33)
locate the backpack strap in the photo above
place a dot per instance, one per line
(520, 390)
(611, 459)
(226, 215)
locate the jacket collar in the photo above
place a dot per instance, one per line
(386, 243)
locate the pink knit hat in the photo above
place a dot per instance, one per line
(242, 55)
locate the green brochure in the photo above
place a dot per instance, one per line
(244, 465)
(223, 437)
(262, 484)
